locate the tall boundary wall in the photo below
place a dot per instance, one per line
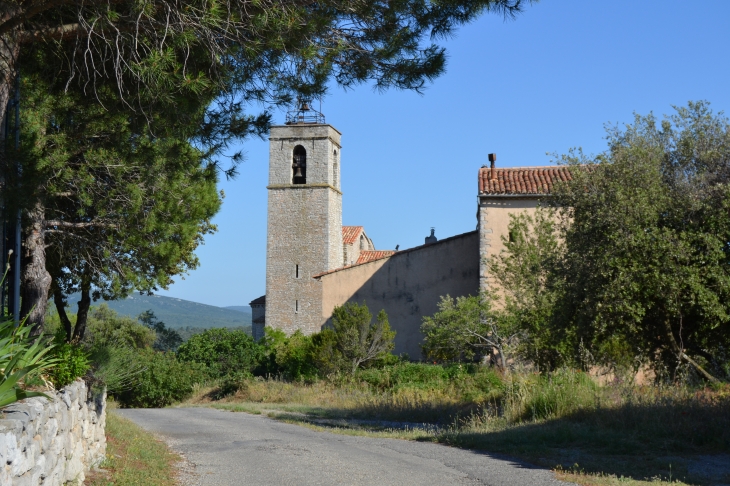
(52, 442)
(407, 284)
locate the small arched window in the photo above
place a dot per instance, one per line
(299, 165)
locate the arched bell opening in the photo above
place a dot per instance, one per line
(299, 165)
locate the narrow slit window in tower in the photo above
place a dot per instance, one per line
(296, 271)
(299, 165)
(296, 306)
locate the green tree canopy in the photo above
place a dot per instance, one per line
(117, 202)
(357, 337)
(647, 237)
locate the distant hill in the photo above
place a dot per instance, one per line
(239, 308)
(177, 313)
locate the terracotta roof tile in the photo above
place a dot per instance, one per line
(521, 180)
(369, 256)
(350, 234)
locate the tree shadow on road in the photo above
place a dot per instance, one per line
(685, 440)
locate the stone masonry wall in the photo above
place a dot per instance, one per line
(304, 228)
(52, 442)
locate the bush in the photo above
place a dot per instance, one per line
(472, 380)
(73, 362)
(357, 338)
(222, 351)
(164, 380)
(105, 327)
(114, 368)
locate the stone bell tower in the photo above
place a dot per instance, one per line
(304, 219)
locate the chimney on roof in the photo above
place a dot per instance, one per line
(493, 171)
(432, 238)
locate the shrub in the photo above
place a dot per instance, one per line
(164, 380)
(472, 381)
(222, 351)
(72, 362)
(114, 368)
(105, 327)
(357, 338)
(294, 357)
(299, 357)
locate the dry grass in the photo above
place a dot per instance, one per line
(134, 457)
(610, 435)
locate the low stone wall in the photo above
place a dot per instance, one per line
(52, 442)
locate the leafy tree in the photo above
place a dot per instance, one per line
(647, 226)
(466, 329)
(357, 338)
(222, 351)
(107, 328)
(525, 272)
(166, 339)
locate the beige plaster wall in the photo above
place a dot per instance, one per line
(408, 285)
(494, 219)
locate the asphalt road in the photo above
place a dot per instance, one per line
(229, 448)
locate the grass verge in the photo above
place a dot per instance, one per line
(612, 435)
(134, 457)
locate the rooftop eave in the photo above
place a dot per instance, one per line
(514, 196)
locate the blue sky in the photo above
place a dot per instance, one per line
(541, 84)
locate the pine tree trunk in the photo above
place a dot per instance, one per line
(9, 50)
(35, 279)
(60, 300)
(83, 313)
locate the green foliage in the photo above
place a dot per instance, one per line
(72, 362)
(164, 380)
(300, 357)
(421, 376)
(553, 395)
(222, 352)
(526, 273)
(646, 268)
(22, 357)
(357, 338)
(466, 329)
(115, 368)
(105, 327)
(166, 339)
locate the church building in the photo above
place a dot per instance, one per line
(314, 264)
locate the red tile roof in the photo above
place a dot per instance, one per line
(369, 256)
(350, 234)
(521, 180)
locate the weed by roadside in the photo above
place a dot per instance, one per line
(589, 434)
(134, 457)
